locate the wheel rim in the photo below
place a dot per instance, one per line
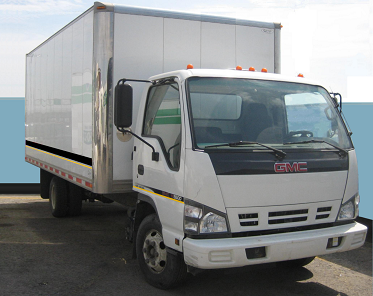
(154, 251)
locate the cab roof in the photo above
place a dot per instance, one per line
(244, 74)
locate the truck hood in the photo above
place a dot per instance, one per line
(240, 191)
(259, 179)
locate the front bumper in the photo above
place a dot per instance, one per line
(231, 252)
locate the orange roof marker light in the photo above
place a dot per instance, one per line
(300, 75)
(238, 68)
(101, 7)
(264, 70)
(251, 69)
(190, 66)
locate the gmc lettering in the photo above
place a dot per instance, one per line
(286, 167)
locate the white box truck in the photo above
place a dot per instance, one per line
(220, 167)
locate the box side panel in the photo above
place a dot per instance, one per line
(182, 44)
(218, 42)
(255, 48)
(55, 109)
(138, 54)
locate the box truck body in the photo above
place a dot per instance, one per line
(226, 167)
(70, 79)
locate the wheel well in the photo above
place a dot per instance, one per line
(143, 209)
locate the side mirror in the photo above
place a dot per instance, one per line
(123, 105)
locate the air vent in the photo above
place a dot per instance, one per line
(248, 219)
(323, 213)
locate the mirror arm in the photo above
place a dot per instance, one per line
(155, 155)
(124, 80)
(340, 100)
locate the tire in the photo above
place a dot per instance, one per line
(58, 200)
(45, 181)
(160, 268)
(75, 198)
(297, 263)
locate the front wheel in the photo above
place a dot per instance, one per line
(161, 269)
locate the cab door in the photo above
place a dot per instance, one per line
(162, 181)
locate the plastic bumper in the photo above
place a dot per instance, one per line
(232, 252)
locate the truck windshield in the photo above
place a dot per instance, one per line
(284, 115)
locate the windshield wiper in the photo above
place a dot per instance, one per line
(278, 153)
(342, 152)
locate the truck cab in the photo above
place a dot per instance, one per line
(252, 168)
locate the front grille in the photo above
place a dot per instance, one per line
(255, 220)
(287, 216)
(287, 213)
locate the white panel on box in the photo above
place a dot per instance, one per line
(87, 85)
(138, 54)
(67, 36)
(218, 46)
(138, 46)
(255, 48)
(49, 91)
(58, 63)
(76, 91)
(182, 44)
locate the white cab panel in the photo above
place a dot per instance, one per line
(201, 183)
(352, 186)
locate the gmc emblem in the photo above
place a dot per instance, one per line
(286, 167)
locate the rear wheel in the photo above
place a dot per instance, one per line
(45, 181)
(161, 268)
(295, 263)
(58, 199)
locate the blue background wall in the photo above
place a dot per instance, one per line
(14, 169)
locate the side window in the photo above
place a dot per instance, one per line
(163, 120)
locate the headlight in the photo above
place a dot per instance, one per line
(213, 223)
(202, 220)
(350, 209)
(192, 212)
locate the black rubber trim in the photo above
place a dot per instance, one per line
(19, 188)
(65, 154)
(290, 229)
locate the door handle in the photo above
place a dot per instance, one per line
(140, 169)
